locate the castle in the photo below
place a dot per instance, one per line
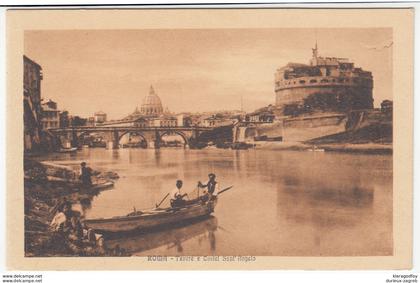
(337, 77)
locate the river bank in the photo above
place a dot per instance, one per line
(43, 200)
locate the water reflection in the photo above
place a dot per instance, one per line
(115, 154)
(355, 197)
(325, 207)
(283, 203)
(170, 239)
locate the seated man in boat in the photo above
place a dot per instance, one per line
(177, 195)
(86, 175)
(212, 188)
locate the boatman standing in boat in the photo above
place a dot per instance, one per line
(212, 188)
(86, 175)
(177, 195)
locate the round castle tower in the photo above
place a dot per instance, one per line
(295, 82)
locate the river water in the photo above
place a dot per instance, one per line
(284, 203)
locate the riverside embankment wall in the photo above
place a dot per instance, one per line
(310, 127)
(297, 129)
(315, 126)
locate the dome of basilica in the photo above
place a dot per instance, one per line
(152, 105)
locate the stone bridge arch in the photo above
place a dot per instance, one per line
(81, 136)
(185, 136)
(106, 135)
(63, 137)
(141, 134)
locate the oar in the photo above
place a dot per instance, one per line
(223, 229)
(157, 205)
(224, 190)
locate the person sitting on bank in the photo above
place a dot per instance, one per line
(58, 221)
(86, 175)
(212, 188)
(177, 195)
(75, 230)
(73, 233)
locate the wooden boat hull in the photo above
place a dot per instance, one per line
(95, 185)
(174, 235)
(67, 150)
(102, 185)
(151, 219)
(316, 150)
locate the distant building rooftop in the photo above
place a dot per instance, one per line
(46, 108)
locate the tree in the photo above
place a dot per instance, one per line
(292, 109)
(78, 121)
(346, 100)
(64, 119)
(321, 101)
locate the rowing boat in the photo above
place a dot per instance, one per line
(146, 220)
(67, 150)
(98, 184)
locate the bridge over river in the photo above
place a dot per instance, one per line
(113, 134)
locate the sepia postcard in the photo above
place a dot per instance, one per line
(209, 139)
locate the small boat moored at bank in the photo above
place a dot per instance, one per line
(316, 149)
(67, 150)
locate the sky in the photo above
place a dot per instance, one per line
(190, 69)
